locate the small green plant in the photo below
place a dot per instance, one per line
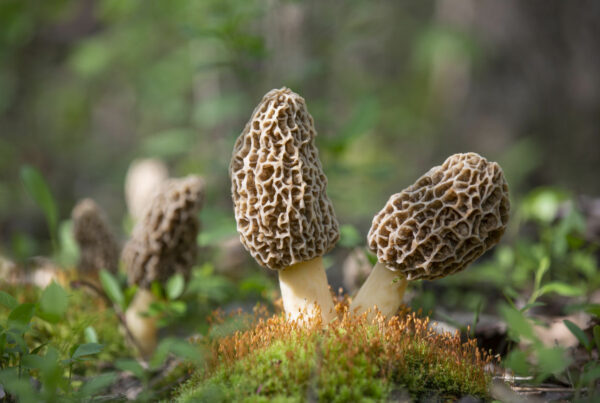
(22, 360)
(38, 189)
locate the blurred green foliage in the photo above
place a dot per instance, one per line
(86, 86)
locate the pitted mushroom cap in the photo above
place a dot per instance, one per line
(278, 186)
(98, 246)
(164, 242)
(444, 221)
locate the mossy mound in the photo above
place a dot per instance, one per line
(349, 360)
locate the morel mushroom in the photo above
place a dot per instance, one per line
(98, 246)
(433, 228)
(143, 178)
(284, 217)
(163, 244)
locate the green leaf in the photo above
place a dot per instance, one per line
(577, 332)
(178, 347)
(20, 387)
(590, 375)
(38, 348)
(596, 333)
(563, 289)
(130, 294)
(54, 300)
(131, 366)
(517, 361)
(156, 290)
(179, 307)
(542, 204)
(531, 305)
(518, 323)
(552, 360)
(90, 334)
(8, 300)
(593, 309)
(112, 288)
(21, 315)
(32, 361)
(175, 286)
(96, 384)
(87, 349)
(39, 191)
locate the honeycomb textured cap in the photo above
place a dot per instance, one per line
(164, 242)
(98, 246)
(278, 186)
(444, 221)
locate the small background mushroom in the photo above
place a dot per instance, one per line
(144, 177)
(98, 246)
(163, 244)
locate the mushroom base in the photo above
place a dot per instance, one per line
(384, 290)
(304, 286)
(142, 328)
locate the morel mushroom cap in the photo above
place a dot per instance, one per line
(98, 246)
(164, 242)
(444, 221)
(282, 210)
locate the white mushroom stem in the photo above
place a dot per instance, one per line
(142, 328)
(303, 287)
(384, 289)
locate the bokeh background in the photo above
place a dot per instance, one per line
(394, 88)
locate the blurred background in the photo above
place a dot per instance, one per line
(394, 87)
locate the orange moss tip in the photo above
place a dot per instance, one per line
(391, 345)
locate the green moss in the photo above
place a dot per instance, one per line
(283, 372)
(346, 362)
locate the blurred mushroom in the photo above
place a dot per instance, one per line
(433, 228)
(284, 217)
(356, 269)
(231, 258)
(98, 246)
(9, 272)
(143, 178)
(163, 243)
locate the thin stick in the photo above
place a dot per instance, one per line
(116, 308)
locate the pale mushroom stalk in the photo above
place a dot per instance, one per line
(142, 327)
(303, 286)
(163, 244)
(284, 217)
(384, 290)
(433, 228)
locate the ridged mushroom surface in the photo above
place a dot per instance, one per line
(164, 242)
(444, 221)
(281, 206)
(98, 246)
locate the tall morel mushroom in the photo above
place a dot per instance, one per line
(284, 217)
(98, 246)
(163, 244)
(144, 176)
(435, 227)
